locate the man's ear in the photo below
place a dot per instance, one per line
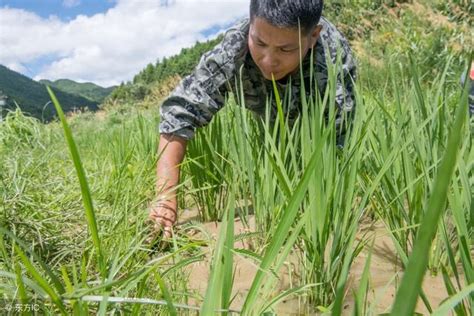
(315, 35)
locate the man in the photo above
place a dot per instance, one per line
(256, 50)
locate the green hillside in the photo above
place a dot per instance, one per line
(32, 97)
(87, 90)
(156, 75)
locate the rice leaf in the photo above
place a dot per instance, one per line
(86, 195)
(453, 301)
(42, 282)
(218, 288)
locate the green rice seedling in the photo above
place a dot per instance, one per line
(207, 166)
(408, 292)
(263, 178)
(455, 287)
(219, 289)
(329, 215)
(360, 307)
(281, 165)
(458, 241)
(454, 301)
(269, 172)
(281, 171)
(407, 185)
(280, 234)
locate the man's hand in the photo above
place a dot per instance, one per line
(163, 214)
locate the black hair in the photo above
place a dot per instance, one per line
(287, 13)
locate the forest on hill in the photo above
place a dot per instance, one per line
(86, 90)
(156, 75)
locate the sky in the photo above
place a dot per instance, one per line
(105, 41)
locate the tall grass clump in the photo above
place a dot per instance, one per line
(73, 214)
(411, 283)
(296, 181)
(86, 195)
(95, 280)
(413, 133)
(208, 168)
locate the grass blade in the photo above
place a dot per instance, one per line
(218, 288)
(41, 281)
(54, 279)
(166, 295)
(86, 195)
(21, 285)
(361, 294)
(454, 300)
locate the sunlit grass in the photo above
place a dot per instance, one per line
(80, 248)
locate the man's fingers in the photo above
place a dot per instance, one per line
(163, 216)
(165, 221)
(162, 212)
(163, 206)
(167, 232)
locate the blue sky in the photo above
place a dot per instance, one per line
(64, 9)
(105, 41)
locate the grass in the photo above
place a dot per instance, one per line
(405, 300)
(73, 213)
(317, 219)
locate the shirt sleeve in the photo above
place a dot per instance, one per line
(345, 98)
(201, 94)
(334, 48)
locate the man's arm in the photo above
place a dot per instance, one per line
(171, 151)
(191, 105)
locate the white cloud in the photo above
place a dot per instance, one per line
(17, 67)
(113, 46)
(71, 3)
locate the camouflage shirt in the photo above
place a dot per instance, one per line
(201, 94)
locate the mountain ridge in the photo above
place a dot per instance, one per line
(88, 90)
(33, 99)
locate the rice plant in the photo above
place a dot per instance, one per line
(73, 220)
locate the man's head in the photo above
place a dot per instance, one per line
(274, 36)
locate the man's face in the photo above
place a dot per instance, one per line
(276, 50)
